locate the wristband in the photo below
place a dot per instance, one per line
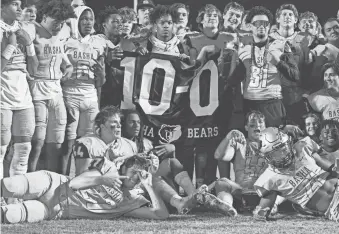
(8, 51)
(30, 50)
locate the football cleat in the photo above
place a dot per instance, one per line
(213, 203)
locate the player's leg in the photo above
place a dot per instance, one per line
(55, 134)
(169, 195)
(22, 129)
(274, 112)
(185, 154)
(73, 113)
(6, 123)
(38, 140)
(173, 171)
(40, 188)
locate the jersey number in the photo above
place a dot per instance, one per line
(258, 77)
(82, 72)
(165, 78)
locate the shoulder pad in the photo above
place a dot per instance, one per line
(95, 146)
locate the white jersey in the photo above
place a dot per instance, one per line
(321, 101)
(263, 82)
(299, 183)
(170, 47)
(15, 93)
(102, 201)
(50, 53)
(333, 157)
(82, 53)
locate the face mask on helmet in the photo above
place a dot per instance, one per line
(276, 147)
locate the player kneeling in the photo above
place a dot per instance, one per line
(102, 192)
(297, 173)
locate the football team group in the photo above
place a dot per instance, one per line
(104, 91)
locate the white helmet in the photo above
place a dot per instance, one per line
(276, 147)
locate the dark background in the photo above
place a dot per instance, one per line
(323, 8)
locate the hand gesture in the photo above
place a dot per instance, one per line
(319, 50)
(183, 57)
(115, 54)
(293, 131)
(112, 179)
(238, 137)
(141, 50)
(145, 178)
(23, 37)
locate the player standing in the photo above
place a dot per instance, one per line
(50, 111)
(82, 90)
(17, 111)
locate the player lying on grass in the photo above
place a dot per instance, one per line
(102, 192)
(297, 173)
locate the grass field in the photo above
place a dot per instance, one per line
(192, 223)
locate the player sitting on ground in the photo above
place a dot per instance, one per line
(83, 89)
(297, 173)
(106, 141)
(102, 192)
(247, 161)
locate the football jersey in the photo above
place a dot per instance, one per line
(248, 163)
(299, 183)
(322, 102)
(333, 157)
(50, 53)
(15, 93)
(102, 201)
(82, 53)
(263, 81)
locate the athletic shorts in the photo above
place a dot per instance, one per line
(80, 116)
(16, 123)
(50, 120)
(273, 110)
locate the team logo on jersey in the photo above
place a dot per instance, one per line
(169, 133)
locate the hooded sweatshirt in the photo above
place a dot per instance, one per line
(82, 53)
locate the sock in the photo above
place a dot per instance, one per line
(176, 201)
(226, 197)
(6, 165)
(183, 180)
(29, 211)
(16, 186)
(279, 200)
(19, 162)
(3, 149)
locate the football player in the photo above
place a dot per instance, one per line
(233, 14)
(129, 18)
(247, 161)
(82, 90)
(29, 13)
(324, 101)
(209, 21)
(261, 64)
(17, 112)
(297, 173)
(104, 191)
(287, 18)
(182, 12)
(329, 137)
(308, 23)
(106, 141)
(50, 111)
(312, 126)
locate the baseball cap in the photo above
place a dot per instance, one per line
(145, 3)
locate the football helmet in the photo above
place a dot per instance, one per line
(276, 147)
